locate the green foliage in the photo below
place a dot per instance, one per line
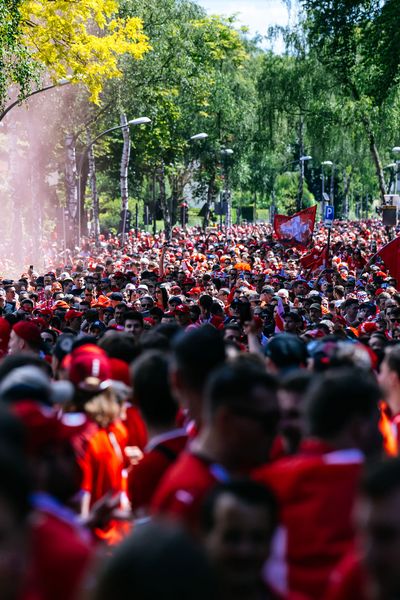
(16, 65)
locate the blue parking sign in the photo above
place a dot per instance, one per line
(329, 215)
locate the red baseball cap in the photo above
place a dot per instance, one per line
(41, 425)
(73, 314)
(88, 370)
(28, 331)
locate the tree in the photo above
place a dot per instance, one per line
(352, 39)
(16, 65)
(63, 38)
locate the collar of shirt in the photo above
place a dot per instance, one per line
(164, 437)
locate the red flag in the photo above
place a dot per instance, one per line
(314, 259)
(298, 229)
(390, 254)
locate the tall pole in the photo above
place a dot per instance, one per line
(301, 165)
(93, 187)
(126, 150)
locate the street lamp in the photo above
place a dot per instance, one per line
(324, 197)
(59, 83)
(199, 136)
(302, 160)
(226, 152)
(138, 121)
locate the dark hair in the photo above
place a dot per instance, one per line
(296, 381)
(206, 302)
(287, 351)
(15, 485)
(169, 330)
(381, 479)
(121, 305)
(232, 384)
(120, 344)
(339, 395)
(197, 353)
(14, 361)
(151, 388)
(152, 340)
(164, 296)
(157, 561)
(133, 315)
(247, 491)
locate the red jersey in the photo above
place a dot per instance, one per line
(316, 496)
(61, 550)
(160, 454)
(136, 428)
(104, 461)
(348, 581)
(184, 486)
(103, 471)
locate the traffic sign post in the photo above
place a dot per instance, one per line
(329, 215)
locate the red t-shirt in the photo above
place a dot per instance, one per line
(104, 461)
(349, 581)
(144, 477)
(60, 557)
(316, 496)
(184, 486)
(136, 428)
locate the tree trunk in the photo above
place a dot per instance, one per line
(347, 182)
(164, 204)
(210, 194)
(93, 187)
(375, 157)
(124, 173)
(73, 191)
(174, 199)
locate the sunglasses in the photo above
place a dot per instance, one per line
(146, 305)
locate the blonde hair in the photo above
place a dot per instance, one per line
(103, 408)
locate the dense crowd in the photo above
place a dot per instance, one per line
(217, 416)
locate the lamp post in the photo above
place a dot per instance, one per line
(59, 83)
(302, 160)
(138, 121)
(227, 196)
(324, 197)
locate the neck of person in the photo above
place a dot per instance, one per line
(393, 401)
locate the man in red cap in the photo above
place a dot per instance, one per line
(25, 337)
(182, 315)
(73, 319)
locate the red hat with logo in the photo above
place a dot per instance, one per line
(89, 368)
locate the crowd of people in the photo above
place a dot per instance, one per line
(216, 416)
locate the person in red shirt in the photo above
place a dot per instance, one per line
(159, 409)
(240, 418)
(195, 354)
(316, 489)
(389, 379)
